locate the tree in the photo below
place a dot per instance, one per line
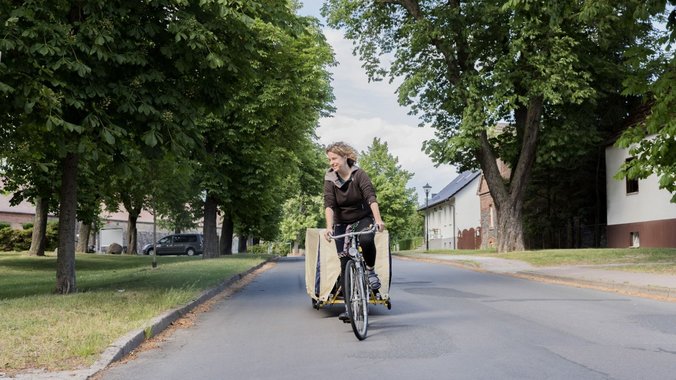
(304, 209)
(651, 140)
(87, 77)
(467, 65)
(397, 203)
(265, 127)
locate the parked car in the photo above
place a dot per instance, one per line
(177, 244)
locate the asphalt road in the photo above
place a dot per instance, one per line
(445, 323)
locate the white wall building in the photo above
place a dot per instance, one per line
(639, 213)
(456, 208)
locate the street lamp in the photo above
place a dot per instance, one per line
(427, 188)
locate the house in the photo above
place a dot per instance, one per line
(453, 216)
(639, 213)
(113, 227)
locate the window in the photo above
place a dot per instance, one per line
(634, 239)
(632, 184)
(491, 217)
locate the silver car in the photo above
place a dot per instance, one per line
(177, 244)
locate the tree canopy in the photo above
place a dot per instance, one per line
(397, 202)
(467, 65)
(93, 86)
(651, 139)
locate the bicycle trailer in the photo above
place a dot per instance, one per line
(322, 269)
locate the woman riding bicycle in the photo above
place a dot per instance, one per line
(350, 205)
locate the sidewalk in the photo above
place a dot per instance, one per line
(656, 286)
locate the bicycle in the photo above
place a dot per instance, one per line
(357, 289)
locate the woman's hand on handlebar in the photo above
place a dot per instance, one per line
(328, 234)
(380, 227)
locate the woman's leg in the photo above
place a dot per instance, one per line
(368, 250)
(339, 229)
(367, 242)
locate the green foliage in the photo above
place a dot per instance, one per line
(305, 209)
(281, 248)
(397, 203)
(4, 225)
(169, 99)
(468, 65)
(651, 140)
(15, 240)
(258, 249)
(20, 240)
(269, 125)
(411, 243)
(52, 235)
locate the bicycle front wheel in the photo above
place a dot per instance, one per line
(356, 299)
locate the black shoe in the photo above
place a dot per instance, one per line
(344, 317)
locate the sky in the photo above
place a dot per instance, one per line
(366, 110)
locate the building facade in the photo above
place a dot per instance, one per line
(639, 213)
(452, 216)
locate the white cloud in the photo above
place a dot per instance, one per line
(365, 110)
(403, 141)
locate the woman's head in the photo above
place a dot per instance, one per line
(343, 150)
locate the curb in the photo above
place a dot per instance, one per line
(652, 292)
(129, 342)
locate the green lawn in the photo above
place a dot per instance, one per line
(656, 260)
(117, 294)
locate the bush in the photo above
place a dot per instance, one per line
(15, 240)
(27, 226)
(281, 248)
(20, 240)
(258, 249)
(52, 235)
(409, 244)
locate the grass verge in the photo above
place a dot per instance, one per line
(652, 260)
(117, 294)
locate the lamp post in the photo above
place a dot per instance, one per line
(427, 188)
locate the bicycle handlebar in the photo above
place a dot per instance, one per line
(370, 230)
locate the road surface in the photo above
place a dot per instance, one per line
(445, 323)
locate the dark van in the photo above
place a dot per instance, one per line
(177, 244)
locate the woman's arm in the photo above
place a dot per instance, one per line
(380, 225)
(328, 212)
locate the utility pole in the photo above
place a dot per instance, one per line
(427, 188)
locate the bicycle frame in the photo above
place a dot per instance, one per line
(356, 286)
(355, 255)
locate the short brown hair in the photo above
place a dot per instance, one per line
(343, 150)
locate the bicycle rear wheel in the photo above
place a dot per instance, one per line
(356, 299)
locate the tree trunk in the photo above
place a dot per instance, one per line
(227, 230)
(39, 237)
(132, 233)
(65, 260)
(241, 247)
(134, 205)
(83, 241)
(210, 234)
(508, 197)
(93, 230)
(510, 230)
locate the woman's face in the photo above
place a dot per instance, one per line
(336, 161)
